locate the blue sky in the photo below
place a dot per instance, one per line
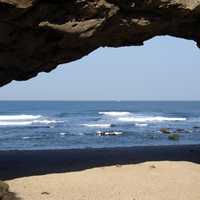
(165, 68)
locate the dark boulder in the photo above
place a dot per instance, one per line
(165, 130)
(109, 133)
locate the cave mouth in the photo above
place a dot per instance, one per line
(158, 70)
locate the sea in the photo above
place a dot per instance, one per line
(37, 125)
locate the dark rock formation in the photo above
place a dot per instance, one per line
(165, 130)
(5, 194)
(109, 133)
(38, 35)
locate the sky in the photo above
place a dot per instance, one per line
(165, 68)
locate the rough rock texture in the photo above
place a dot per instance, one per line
(5, 194)
(37, 35)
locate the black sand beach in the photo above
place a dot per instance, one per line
(15, 164)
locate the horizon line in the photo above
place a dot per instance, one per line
(67, 100)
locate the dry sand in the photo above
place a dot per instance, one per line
(165, 180)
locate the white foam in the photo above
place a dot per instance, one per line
(24, 120)
(34, 137)
(25, 138)
(115, 113)
(97, 125)
(150, 119)
(18, 117)
(13, 123)
(62, 134)
(141, 125)
(117, 133)
(45, 121)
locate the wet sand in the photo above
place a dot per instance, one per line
(15, 164)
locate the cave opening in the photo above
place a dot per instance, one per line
(165, 68)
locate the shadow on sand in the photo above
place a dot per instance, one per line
(15, 164)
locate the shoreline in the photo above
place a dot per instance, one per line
(103, 148)
(25, 163)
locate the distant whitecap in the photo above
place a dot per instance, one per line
(25, 138)
(25, 120)
(18, 117)
(150, 119)
(97, 125)
(141, 125)
(15, 123)
(45, 121)
(115, 113)
(62, 134)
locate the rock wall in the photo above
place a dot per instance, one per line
(38, 35)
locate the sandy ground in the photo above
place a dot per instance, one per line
(164, 180)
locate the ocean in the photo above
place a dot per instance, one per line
(34, 125)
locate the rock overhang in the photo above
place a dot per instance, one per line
(38, 35)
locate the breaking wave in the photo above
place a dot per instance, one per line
(62, 134)
(115, 113)
(46, 121)
(18, 117)
(25, 120)
(14, 123)
(150, 119)
(97, 125)
(141, 125)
